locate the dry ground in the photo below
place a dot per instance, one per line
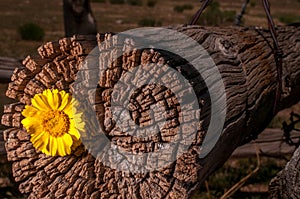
(115, 18)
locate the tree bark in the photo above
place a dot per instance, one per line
(78, 18)
(245, 60)
(287, 182)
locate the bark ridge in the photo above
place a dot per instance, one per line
(245, 60)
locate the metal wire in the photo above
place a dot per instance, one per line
(278, 54)
(239, 17)
(288, 128)
(199, 12)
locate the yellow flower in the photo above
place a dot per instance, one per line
(53, 122)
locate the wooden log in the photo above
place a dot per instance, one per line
(245, 60)
(2, 145)
(287, 182)
(269, 143)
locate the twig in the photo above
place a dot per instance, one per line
(278, 54)
(238, 185)
(207, 189)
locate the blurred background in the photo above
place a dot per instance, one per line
(120, 15)
(27, 24)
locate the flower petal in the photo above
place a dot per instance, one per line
(73, 130)
(32, 125)
(40, 141)
(40, 102)
(44, 119)
(27, 122)
(60, 147)
(65, 100)
(37, 136)
(30, 111)
(53, 145)
(69, 110)
(68, 141)
(46, 92)
(74, 133)
(77, 116)
(53, 99)
(80, 126)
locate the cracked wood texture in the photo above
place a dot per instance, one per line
(245, 60)
(287, 182)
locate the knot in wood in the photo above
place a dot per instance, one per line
(227, 47)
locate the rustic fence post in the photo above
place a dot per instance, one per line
(78, 18)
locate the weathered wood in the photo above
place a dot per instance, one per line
(2, 145)
(269, 143)
(245, 60)
(287, 182)
(78, 18)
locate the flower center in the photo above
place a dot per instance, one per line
(56, 123)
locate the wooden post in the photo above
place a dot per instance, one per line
(246, 62)
(78, 18)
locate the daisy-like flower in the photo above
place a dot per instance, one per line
(53, 122)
